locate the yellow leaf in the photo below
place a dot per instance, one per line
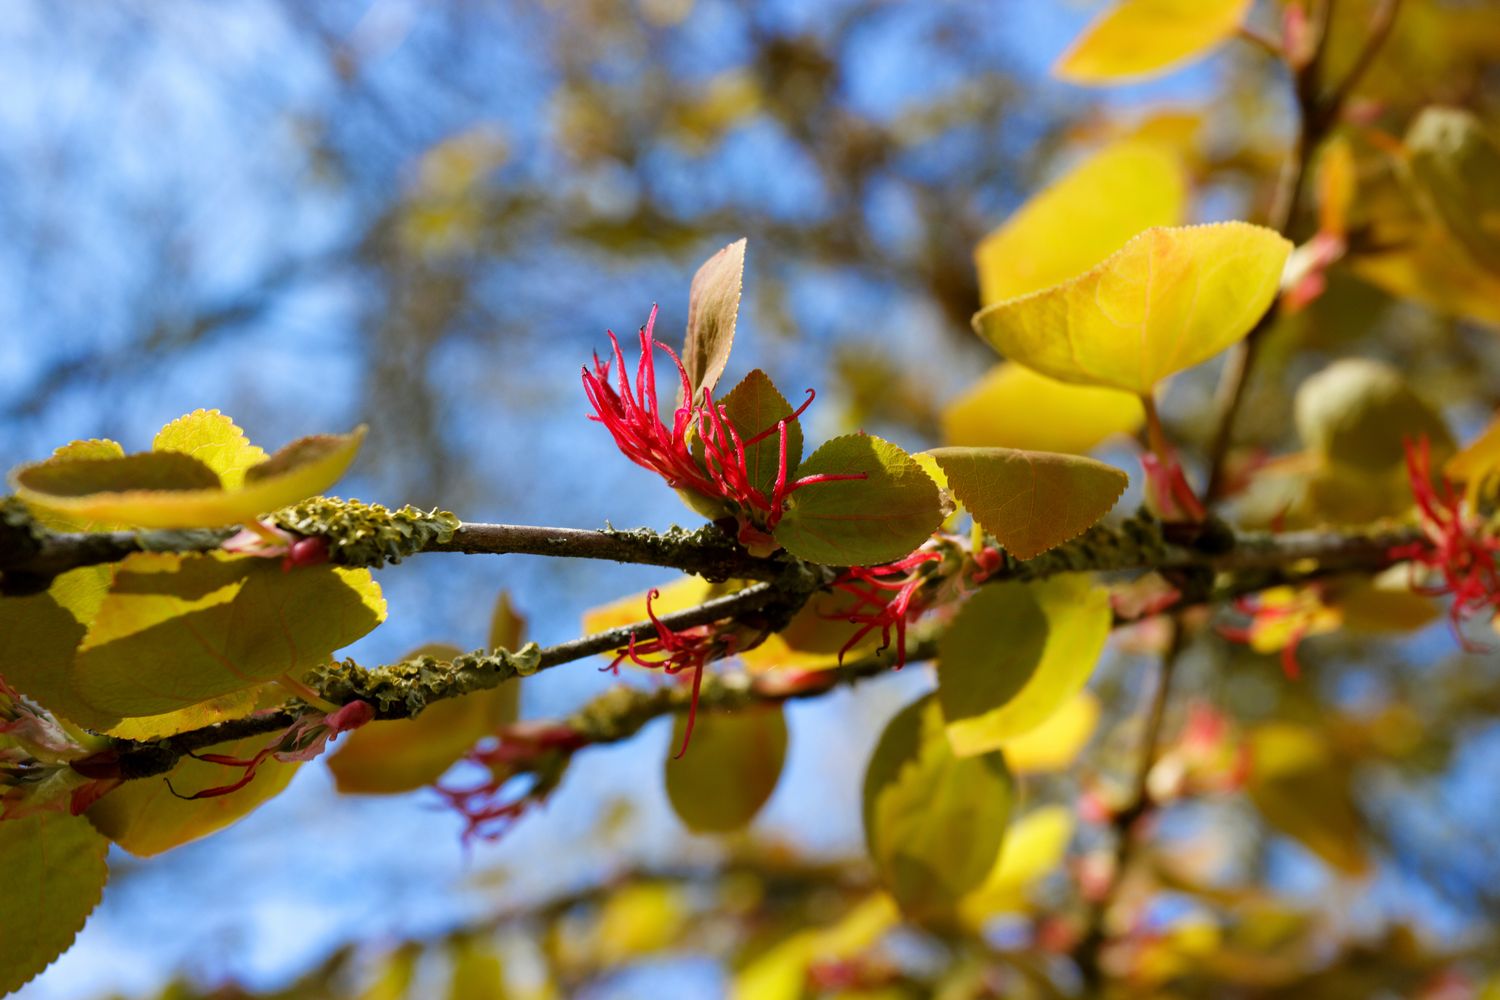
(1055, 744)
(1170, 299)
(1082, 218)
(1136, 39)
(145, 818)
(1479, 462)
(1014, 407)
(637, 920)
(1034, 845)
(780, 973)
(1431, 268)
(214, 440)
(171, 489)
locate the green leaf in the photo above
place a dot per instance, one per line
(753, 406)
(934, 822)
(145, 818)
(177, 630)
(476, 972)
(729, 771)
(1357, 412)
(1030, 501)
(994, 690)
(1168, 300)
(54, 876)
(860, 522)
(1456, 164)
(1137, 39)
(38, 641)
(170, 489)
(213, 439)
(713, 309)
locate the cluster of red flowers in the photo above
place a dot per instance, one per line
(632, 415)
(491, 807)
(1457, 547)
(886, 597)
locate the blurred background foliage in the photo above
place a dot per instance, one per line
(424, 216)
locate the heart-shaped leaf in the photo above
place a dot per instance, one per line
(1168, 300)
(1030, 501)
(1136, 39)
(934, 822)
(860, 522)
(713, 310)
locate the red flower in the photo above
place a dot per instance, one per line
(888, 598)
(1458, 547)
(691, 649)
(491, 807)
(301, 741)
(632, 415)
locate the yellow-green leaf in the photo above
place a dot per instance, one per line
(38, 641)
(177, 630)
(1056, 743)
(713, 309)
(1030, 501)
(865, 521)
(1136, 39)
(213, 439)
(54, 876)
(992, 691)
(1035, 845)
(145, 818)
(1168, 300)
(1082, 218)
(1303, 790)
(1358, 412)
(475, 972)
(1477, 466)
(1456, 164)
(754, 406)
(170, 489)
(730, 769)
(1014, 407)
(934, 822)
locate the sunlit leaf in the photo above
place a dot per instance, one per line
(713, 309)
(1014, 407)
(54, 876)
(1431, 268)
(1168, 300)
(729, 771)
(992, 691)
(1081, 219)
(637, 920)
(214, 440)
(176, 630)
(1477, 466)
(38, 641)
(1456, 165)
(1303, 790)
(475, 971)
(1056, 743)
(145, 818)
(1030, 501)
(1135, 39)
(1035, 845)
(860, 522)
(170, 489)
(234, 705)
(934, 822)
(780, 973)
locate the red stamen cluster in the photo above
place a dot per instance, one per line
(1261, 614)
(632, 415)
(1457, 547)
(691, 649)
(518, 749)
(886, 597)
(301, 741)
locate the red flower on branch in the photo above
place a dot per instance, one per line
(687, 651)
(1458, 547)
(632, 415)
(491, 807)
(301, 741)
(887, 597)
